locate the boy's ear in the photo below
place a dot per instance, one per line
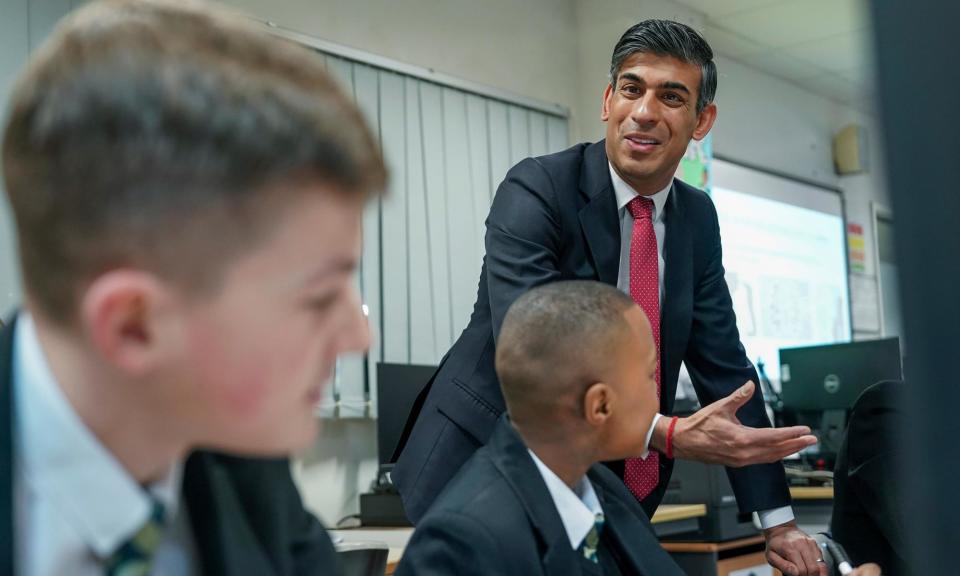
(598, 404)
(122, 314)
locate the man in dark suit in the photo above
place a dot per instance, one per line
(578, 368)
(188, 194)
(612, 212)
(868, 504)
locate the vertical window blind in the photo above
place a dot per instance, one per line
(447, 149)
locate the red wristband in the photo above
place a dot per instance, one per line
(673, 424)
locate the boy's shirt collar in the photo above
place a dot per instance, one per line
(578, 508)
(60, 459)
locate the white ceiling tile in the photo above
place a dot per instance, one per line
(720, 8)
(783, 65)
(841, 53)
(795, 22)
(729, 44)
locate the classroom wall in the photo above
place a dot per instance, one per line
(553, 50)
(526, 47)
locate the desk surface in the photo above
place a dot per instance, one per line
(712, 546)
(673, 512)
(811, 492)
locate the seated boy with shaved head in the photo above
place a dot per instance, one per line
(577, 366)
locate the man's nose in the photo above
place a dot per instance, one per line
(646, 110)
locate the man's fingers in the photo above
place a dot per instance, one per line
(774, 436)
(781, 564)
(738, 398)
(811, 553)
(766, 454)
(763, 454)
(867, 570)
(800, 560)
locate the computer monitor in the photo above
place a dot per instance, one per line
(820, 384)
(831, 377)
(398, 386)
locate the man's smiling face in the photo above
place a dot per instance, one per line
(651, 115)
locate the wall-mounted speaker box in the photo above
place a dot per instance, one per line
(850, 150)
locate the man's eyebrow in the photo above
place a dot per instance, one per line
(632, 77)
(668, 85)
(671, 85)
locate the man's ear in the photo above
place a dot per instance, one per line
(122, 313)
(598, 404)
(605, 108)
(705, 121)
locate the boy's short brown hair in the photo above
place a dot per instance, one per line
(156, 134)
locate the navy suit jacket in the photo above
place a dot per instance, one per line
(245, 513)
(497, 517)
(555, 218)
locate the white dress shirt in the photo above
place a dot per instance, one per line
(624, 194)
(578, 508)
(75, 503)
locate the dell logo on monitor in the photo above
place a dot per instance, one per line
(831, 383)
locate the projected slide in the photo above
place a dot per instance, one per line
(786, 272)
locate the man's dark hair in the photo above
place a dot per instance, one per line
(159, 134)
(554, 340)
(669, 38)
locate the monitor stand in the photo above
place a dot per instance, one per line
(833, 426)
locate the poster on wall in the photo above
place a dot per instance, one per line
(857, 247)
(694, 168)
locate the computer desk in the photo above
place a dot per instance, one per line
(813, 507)
(669, 519)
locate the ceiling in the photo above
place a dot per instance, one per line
(821, 45)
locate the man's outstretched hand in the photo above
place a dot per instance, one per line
(714, 435)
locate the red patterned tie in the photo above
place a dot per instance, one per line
(641, 476)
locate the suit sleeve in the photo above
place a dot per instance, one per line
(718, 365)
(523, 237)
(451, 544)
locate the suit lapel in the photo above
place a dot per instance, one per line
(626, 531)
(638, 546)
(510, 456)
(676, 311)
(7, 519)
(225, 540)
(598, 219)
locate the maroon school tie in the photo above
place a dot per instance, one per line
(642, 475)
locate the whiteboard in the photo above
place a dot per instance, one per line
(784, 255)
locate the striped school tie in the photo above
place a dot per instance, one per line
(135, 556)
(592, 541)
